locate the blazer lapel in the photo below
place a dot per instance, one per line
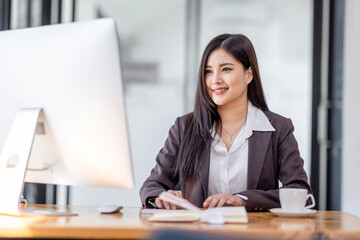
(258, 145)
(205, 167)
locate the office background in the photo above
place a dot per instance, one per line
(308, 56)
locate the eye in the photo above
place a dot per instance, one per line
(207, 71)
(226, 69)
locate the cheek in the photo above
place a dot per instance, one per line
(238, 86)
(208, 82)
(208, 86)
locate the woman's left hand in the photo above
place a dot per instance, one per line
(223, 199)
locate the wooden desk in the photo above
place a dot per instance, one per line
(129, 225)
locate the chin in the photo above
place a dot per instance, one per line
(219, 103)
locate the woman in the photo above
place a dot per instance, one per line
(231, 150)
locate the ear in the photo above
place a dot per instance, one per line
(249, 75)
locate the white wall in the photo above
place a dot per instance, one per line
(351, 113)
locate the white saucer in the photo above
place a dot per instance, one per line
(281, 213)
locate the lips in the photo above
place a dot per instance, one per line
(219, 91)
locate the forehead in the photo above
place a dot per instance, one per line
(220, 56)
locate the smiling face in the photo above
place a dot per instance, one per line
(226, 79)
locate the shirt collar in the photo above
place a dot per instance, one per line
(256, 120)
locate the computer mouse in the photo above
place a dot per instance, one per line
(109, 208)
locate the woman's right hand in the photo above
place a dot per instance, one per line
(166, 205)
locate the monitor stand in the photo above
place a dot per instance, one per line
(14, 159)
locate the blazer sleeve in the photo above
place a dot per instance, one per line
(162, 177)
(289, 170)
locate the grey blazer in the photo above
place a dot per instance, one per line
(272, 156)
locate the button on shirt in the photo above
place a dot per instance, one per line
(229, 168)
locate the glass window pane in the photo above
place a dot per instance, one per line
(152, 47)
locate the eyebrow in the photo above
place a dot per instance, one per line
(221, 65)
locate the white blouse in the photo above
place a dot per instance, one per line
(229, 169)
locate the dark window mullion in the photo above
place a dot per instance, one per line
(5, 10)
(73, 10)
(59, 7)
(337, 12)
(46, 12)
(316, 93)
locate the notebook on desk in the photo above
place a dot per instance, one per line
(191, 213)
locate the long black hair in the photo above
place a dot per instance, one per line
(205, 113)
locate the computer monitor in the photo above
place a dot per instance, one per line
(63, 82)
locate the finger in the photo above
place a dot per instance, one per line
(214, 202)
(230, 201)
(207, 201)
(222, 201)
(234, 201)
(176, 193)
(172, 206)
(158, 203)
(171, 191)
(166, 205)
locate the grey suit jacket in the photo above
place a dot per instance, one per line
(272, 156)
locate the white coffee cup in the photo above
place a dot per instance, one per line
(294, 200)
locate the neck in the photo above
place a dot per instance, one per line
(231, 115)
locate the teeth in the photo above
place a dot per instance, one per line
(219, 90)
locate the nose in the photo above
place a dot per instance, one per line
(217, 79)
